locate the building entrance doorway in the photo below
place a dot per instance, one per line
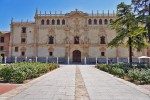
(76, 56)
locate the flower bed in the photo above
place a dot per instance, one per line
(19, 72)
(139, 74)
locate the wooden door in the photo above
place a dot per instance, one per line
(76, 56)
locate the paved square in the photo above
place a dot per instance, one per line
(61, 84)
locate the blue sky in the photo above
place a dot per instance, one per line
(25, 9)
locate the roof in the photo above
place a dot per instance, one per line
(4, 32)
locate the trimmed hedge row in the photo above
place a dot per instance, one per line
(19, 72)
(138, 75)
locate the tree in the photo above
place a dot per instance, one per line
(142, 9)
(129, 32)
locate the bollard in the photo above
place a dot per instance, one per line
(36, 59)
(57, 60)
(15, 59)
(68, 59)
(96, 60)
(85, 60)
(5, 59)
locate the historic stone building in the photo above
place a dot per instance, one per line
(75, 36)
(4, 43)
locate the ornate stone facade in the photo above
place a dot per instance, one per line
(75, 35)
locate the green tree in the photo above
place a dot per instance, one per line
(129, 32)
(142, 10)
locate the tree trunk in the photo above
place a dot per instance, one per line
(130, 50)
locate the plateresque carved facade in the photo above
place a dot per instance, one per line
(75, 35)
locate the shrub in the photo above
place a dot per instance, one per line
(138, 74)
(19, 76)
(6, 73)
(135, 74)
(118, 71)
(18, 72)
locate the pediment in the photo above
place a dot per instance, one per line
(76, 13)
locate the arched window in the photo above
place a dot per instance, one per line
(100, 21)
(48, 22)
(102, 40)
(42, 22)
(111, 20)
(58, 22)
(90, 22)
(63, 22)
(76, 40)
(105, 21)
(53, 22)
(51, 40)
(95, 21)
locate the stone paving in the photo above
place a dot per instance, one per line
(103, 86)
(62, 84)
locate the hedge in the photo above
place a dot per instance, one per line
(19, 72)
(139, 74)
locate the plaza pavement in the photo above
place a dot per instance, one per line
(77, 82)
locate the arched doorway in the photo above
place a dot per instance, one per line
(76, 56)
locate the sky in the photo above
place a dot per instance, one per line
(25, 9)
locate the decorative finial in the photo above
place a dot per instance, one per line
(50, 12)
(103, 12)
(97, 12)
(92, 12)
(113, 13)
(45, 12)
(108, 12)
(12, 19)
(55, 12)
(36, 11)
(76, 9)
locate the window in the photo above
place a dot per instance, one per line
(51, 40)
(1, 48)
(23, 29)
(95, 21)
(58, 22)
(50, 53)
(1, 39)
(63, 22)
(100, 21)
(90, 22)
(102, 40)
(16, 49)
(111, 20)
(102, 53)
(105, 21)
(23, 40)
(42, 22)
(22, 53)
(48, 22)
(53, 22)
(76, 40)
